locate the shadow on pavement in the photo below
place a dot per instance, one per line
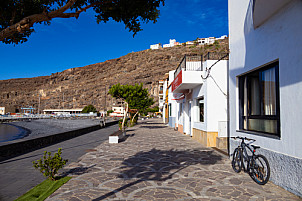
(54, 150)
(159, 165)
(77, 171)
(153, 127)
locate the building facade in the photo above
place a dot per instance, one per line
(265, 83)
(198, 99)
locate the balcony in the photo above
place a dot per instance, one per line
(189, 71)
(188, 74)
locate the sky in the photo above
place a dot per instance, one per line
(70, 43)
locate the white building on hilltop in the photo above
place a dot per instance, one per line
(155, 46)
(265, 83)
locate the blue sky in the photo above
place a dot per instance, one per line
(69, 43)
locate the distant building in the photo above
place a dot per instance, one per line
(202, 41)
(63, 111)
(117, 112)
(189, 43)
(211, 40)
(2, 110)
(155, 46)
(172, 43)
(222, 37)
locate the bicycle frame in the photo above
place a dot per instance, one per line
(245, 156)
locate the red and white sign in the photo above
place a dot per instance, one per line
(177, 81)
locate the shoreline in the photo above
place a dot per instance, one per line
(45, 127)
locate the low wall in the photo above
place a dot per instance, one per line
(286, 170)
(19, 148)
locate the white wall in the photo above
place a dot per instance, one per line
(278, 38)
(214, 91)
(216, 97)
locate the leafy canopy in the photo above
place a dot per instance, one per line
(17, 18)
(89, 108)
(135, 95)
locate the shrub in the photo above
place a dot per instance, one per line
(125, 123)
(89, 108)
(49, 166)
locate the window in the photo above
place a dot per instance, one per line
(259, 100)
(200, 103)
(170, 110)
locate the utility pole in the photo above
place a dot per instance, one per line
(105, 108)
(39, 104)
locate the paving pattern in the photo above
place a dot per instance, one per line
(157, 163)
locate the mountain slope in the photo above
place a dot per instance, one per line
(78, 87)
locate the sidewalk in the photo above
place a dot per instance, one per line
(157, 163)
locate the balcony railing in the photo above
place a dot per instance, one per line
(189, 63)
(216, 56)
(194, 62)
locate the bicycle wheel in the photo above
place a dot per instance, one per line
(237, 160)
(260, 170)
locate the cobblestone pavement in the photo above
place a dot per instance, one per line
(157, 163)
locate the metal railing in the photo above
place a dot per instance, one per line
(216, 56)
(189, 63)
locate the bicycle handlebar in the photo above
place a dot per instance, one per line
(243, 138)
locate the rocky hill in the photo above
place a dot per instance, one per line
(78, 87)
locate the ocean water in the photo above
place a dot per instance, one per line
(10, 132)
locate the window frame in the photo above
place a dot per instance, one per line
(198, 105)
(241, 87)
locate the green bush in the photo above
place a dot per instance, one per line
(109, 111)
(120, 122)
(49, 166)
(89, 108)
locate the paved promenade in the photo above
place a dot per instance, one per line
(157, 163)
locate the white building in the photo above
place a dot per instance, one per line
(117, 112)
(155, 46)
(222, 37)
(198, 106)
(161, 97)
(166, 45)
(2, 110)
(203, 41)
(63, 111)
(265, 83)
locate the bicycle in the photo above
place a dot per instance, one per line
(256, 166)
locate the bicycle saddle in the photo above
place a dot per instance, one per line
(255, 147)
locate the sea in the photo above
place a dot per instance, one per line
(9, 132)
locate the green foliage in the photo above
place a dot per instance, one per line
(155, 109)
(135, 95)
(48, 165)
(43, 190)
(120, 122)
(217, 45)
(109, 111)
(22, 15)
(89, 108)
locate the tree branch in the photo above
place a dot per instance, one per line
(28, 22)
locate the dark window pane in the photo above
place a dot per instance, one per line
(263, 125)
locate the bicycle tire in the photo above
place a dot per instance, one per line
(237, 160)
(259, 169)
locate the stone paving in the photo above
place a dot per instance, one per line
(157, 163)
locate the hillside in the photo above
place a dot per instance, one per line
(78, 87)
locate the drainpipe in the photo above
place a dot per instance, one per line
(228, 109)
